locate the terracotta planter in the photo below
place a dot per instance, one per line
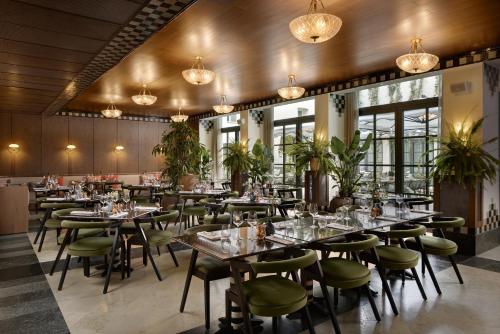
(314, 165)
(337, 202)
(189, 181)
(237, 182)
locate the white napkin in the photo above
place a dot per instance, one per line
(55, 199)
(118, 215)
(340, 226)
(277, 239)
(209, 235)
(145, 208)
(82, 213)
(392, 219)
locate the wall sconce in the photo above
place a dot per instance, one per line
(119, 148)
(14, 147)
(70, 147)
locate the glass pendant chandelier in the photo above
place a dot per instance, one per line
(178, 118)
(417, 61)
(197, 74)
(144, 97)
(111, 111)
(315, 27)
(223, 107)
(291, 91)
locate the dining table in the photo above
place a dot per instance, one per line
(293, 233)
(116, 220)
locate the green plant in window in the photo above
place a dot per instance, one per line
(261, 162)
(462, 157)
(181, 151)
(346, 162)
(313, 152)
(237, 158)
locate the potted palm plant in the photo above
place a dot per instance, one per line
(345, 163)
(461, 165)
(237, 161)
(181, 151)
(313, 153)
(261, 162)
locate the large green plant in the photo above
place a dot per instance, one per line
(261, 162)
(346, 161)
(315, 150)
(462, 158)
(237, 158)
(181, 151)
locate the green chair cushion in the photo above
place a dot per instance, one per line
(199, 211)
(158, 237)
(58, 205)
(405, 231)
(368, 241)
(435, 245)
(212, 268)
(397, 258)
(52, 223)
(221, 219)
(91, 246)
(85, 233)
(271, 296)
(344, 274)
(307, 259)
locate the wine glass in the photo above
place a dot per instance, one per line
(237, 221)
(313, 210)
(298, 207)
(126, 199)
(252, 221)
(399, 201)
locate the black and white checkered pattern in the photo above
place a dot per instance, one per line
(491, 222)
(257, 115)
(491, 73)
(123, 117)
(339, 103)
(154, 16)
(207, 124)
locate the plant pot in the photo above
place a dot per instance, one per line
(237, 182)
(188, 181)
(337, 202)
(314, 165)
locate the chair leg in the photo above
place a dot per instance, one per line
(275, 325)
(42, 238)
(366, 288)
(144, 256)
(38, 234)
(122, 259)
(425, 260)
(206, 284)
(387, 289)
(308, 320)
(86, 267)
(335, 297)
(171, 251)
(455, 267)
(58, 234)
(228, 309)
(329, 306)
(158, 250)
(423, 269)
(419, 284)
(189, 275)
(63, 274)
(129, 257)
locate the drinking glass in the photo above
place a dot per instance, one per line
(313, 210)
(225, 232)
(252, 221)
(298, 211)
(237, 221)
(322, 223)
(126, 199)
(399, 200)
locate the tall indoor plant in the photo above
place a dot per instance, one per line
(237, 161)
(313, 153)
(345, 163)
(261, 162)
(181, 151)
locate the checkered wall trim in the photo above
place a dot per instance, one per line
(339, 103)
(474, 56)
(123, 117)
(491, 222)
(491, 73)
(154, 16)
(257, 116)
(208, 125)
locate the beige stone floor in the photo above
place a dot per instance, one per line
(142, 304)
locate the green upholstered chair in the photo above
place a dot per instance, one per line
(214, 215)
(86, 247)
(51, 219)
(341, 273)
(398, 258)
(261, 211)
(273, 295)
(205, 268)
(438, 245)
(192, 210)
(156, 236)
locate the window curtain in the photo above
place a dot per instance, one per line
(215, 148)
(351, 114)
(268, 127)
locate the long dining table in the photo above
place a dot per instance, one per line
(288, 234)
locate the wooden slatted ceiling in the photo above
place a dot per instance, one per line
(248, 44)
(45, 43)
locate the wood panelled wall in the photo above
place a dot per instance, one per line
(43, 143)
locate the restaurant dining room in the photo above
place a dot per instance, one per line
(249, 166)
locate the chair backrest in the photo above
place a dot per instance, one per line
(194, 197)
(307, 259)
(246, 208)
(406, 231)
(365, 242)
(226, 185)
(446, 222)
(286, 193)
(203, 228)
(84, 224)
(61, 212)
(57, 206)
(166, 216)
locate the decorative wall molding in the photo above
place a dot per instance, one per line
(467, 58)
(153, 17)
(339, 103)
(257, 115)
(123, 117)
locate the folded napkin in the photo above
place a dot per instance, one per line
(427, 212)
(145, 208)
(279, 225)
(118, 215)
(275, 238)
(56, 199)
(338, 226)
(82, 213)
(209, 235)
(82, 199)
